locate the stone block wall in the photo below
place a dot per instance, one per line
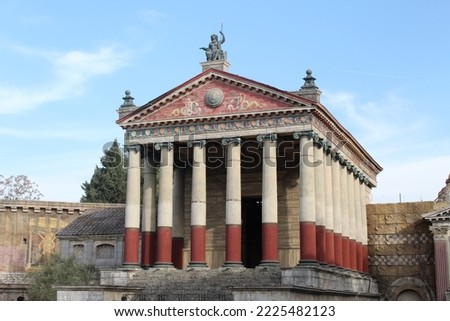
(401, 248)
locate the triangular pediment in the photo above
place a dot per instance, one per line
(439, 215)
(214, 94)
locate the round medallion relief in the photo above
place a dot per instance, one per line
(214, 97)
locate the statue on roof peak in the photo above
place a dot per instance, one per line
(214, 50)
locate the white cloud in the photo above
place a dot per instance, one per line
(70, 73)
(418, 180)
(416, 162)
(375, 121)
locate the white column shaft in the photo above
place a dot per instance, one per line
(363, 214)
(133, 206)
(351, 205)
(233, 189)
(307, 186)
(178, 202)
(336, 190)
(269, 188)
(328, 180)
(165, 202)
(358, 218)
(149, 196)
(198, 199)
(319, 177)
(345, 219)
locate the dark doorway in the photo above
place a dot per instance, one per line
(251, 231)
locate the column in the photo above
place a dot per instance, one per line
(269, 200)
(198, 205)
(178, 218)
(233, 220)
(133, 208)
(307, 216)
(364, 240)
(329, 236)
(344, 214)
(165, 207)
(319, 177)
(358, 224)
(351, 217)
(148, 234)
(337, 218)
(441, 258)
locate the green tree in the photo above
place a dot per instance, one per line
(108, 183)
(58, 271)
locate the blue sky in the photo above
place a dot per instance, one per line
(383, 68)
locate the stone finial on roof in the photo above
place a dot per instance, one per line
(128, 105)
(309, 89)
(128, 100)
(309, 80)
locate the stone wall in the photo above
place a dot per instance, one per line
(401, 248)
(28, 228)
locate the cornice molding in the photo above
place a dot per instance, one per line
(336, 155)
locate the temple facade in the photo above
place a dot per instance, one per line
(241, 174)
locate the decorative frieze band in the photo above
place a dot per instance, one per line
(397, 239)
(336, 155)
(218, 126)
(398, 260)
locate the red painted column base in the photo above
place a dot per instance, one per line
(352, 254)
(365, 252)
(321, 244)
(131, 251)
(345, 252)
(338, 249)
(308, 253)
(164, 246)
(269, 244)
(441, 268)
(359, 257)
(330, 259)
(177, 252)
(198, 246)
(233, 255)
(148, 240)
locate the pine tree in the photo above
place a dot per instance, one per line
(108, 183)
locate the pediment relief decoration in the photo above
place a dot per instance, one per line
(213, 98)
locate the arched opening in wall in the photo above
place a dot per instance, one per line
(251, 231)
(409, 295)
(78, 251)
(104, 251)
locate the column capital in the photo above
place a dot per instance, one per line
(134, 147)
(231, 141)
(168, 145)
(440, 232)
(272, 137)
(198, 143)
(307, 133)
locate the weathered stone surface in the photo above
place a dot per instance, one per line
(399, 242)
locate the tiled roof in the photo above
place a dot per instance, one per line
(101, 221)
